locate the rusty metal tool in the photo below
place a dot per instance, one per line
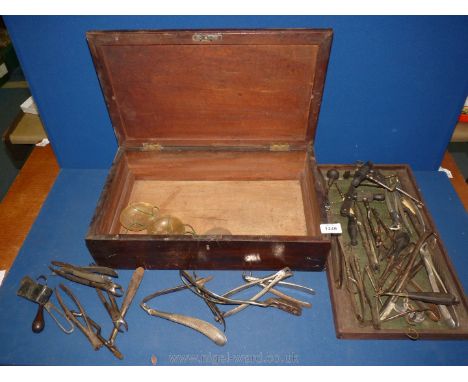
(438, 298)
(113, 310)
(41, 294)
(93, 276)
(403, 280)
(437, 284)
(93, 324)
(86, 329)
(375, 176)
(132, 289)
(367, 240)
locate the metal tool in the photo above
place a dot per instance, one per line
(402, 281)
(204, 293)
(336, 261)
(350, 195)
(352, 229)
(85, 328)
(280, 275)
(201, 326)
(393, 212)
(373, 306)
(401, 211)
(437, 283)
(113, 310)
(367, 240)
(361, 173)
(132, 288)
(93, 276)
(351, 284)
(332, 176)
(399, 244)
(414, 211)
(374, 176)
(41, 294)
(97, 331)
(277, 293)
(373, 229)
(438, 298)
(248, 277)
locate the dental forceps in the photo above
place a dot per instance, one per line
(201, 326)
(113, 310)
(90, 328)
(93, 276)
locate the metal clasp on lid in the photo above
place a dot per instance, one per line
(207, 37)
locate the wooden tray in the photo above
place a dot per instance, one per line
(346, 324)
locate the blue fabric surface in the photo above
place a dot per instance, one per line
(254, 337)
(392, 82)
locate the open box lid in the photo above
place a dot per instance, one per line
(226, 88)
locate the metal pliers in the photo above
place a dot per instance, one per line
(88, 327)
(113, 310)
(93, 276)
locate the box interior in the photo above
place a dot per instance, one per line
(248, 193)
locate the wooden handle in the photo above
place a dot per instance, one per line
(39, 323)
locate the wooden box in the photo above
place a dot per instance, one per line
(216, 128)
(347, 325)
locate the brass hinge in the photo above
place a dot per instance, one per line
(152, 146)
(279, 147)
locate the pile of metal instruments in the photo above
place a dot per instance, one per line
(387, 258)
(72, 311)
(73, 314)
(197, 286)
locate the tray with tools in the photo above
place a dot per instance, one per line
(389, 274)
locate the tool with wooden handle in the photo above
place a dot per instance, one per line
(130, 293)
(41, 294)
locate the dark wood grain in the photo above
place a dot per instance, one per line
(246, 88)
(214, 103)
(203, 252)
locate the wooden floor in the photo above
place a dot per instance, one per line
(458, 181)
(22, 203)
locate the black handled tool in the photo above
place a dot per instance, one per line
(438, 298)
(361, 173)
(332, 176)
(40, 294)
(353, 229)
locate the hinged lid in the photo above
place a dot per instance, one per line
(252, 88)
